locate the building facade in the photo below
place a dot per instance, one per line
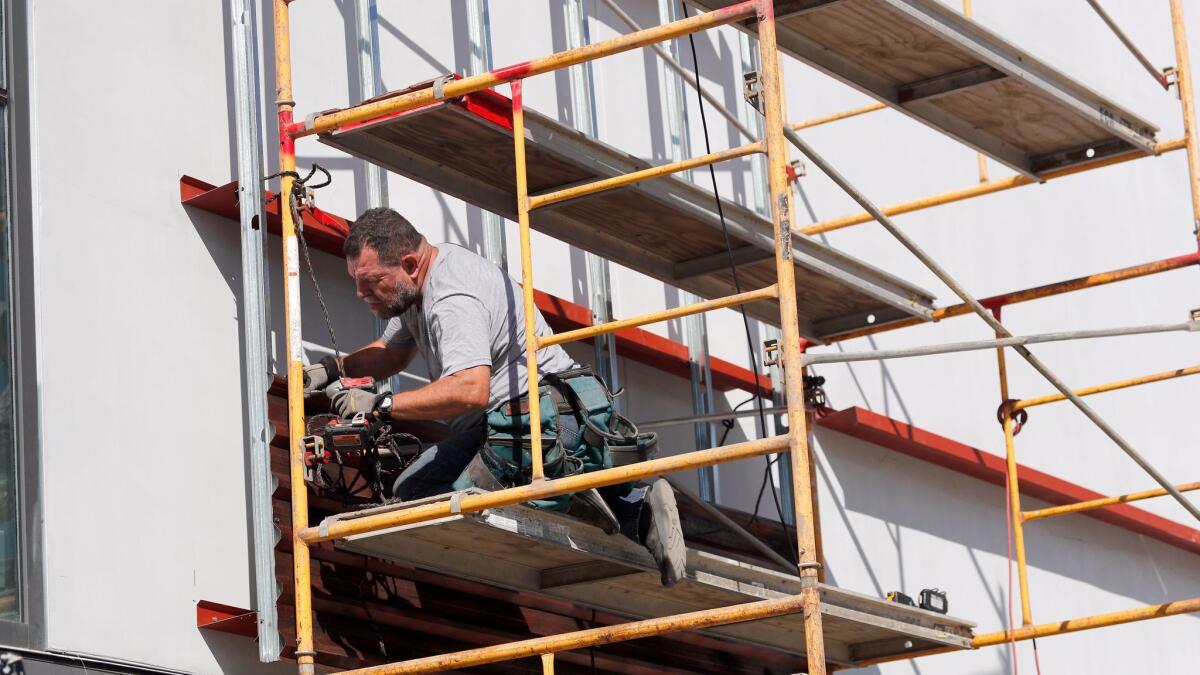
(124, 473)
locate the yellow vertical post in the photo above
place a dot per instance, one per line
(1183, 79)
(1014, 488)
(798, 450)
(548, 664)
(295, 365)
(983, 169)
(531, 339)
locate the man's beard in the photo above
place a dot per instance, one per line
(404, 297)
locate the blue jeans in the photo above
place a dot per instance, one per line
(436, 470)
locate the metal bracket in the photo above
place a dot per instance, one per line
(752, 89)
(771, 353)
(1171, 77)
(796, 169)
(439, 86)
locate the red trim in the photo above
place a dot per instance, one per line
(489, 105)
(323, 231)
(486, 104)
(930, 447)
(326, 232)
(226, 619)
(646, 347)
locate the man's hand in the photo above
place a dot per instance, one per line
(320, 374)
(349, 402)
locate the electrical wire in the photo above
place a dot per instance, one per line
(762, 418)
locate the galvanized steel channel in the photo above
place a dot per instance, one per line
(583, 106)
(479, 30)
(695, 326)
(254, 311)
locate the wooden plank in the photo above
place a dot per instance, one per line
(651, 227)
(523, 549)
(924, 58)
(583, 573)
(881, 41)
(949, 83)
(1011, 111)
(700, 266)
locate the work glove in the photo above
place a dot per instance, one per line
(320, 374)
(347, 403)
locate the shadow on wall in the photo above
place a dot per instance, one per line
(223, 242)
(908, 494)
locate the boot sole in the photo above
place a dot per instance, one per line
(664, 516)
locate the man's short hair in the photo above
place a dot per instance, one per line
(387, 232)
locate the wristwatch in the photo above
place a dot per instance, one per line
(383, 406)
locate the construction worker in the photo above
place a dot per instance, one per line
(463, 315)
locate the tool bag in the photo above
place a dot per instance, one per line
(604, 438)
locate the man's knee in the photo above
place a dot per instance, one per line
(405, 490)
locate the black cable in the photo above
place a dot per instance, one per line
(729, 424)
(737, 286)
(362, 599)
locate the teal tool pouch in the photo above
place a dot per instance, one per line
(603, 439)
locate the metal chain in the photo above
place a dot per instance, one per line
(312, 274)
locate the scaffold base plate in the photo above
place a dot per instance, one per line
(519, 548)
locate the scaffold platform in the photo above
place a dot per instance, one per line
(928, 61)
(666, 228)
(522, 549)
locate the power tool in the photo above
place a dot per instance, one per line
(371, 448)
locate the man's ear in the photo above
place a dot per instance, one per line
(410, 262)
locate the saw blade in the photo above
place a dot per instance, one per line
(317, 423)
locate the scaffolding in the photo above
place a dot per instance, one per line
(1129, 141)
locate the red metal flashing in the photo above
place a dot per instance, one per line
(326, 232)
(930, 447)
(226, 619)
(489, 105)
(323, 231)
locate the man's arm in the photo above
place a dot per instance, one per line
(378, 359)
(457, 394)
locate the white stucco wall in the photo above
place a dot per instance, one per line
(140, 317)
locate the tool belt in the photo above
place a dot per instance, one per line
(604, 438)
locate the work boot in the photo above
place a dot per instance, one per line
(662, 534)
(589, 507)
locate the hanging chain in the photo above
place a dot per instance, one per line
(300, 198)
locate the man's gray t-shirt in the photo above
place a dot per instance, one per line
(470, 314)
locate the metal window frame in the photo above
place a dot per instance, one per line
(31, 630)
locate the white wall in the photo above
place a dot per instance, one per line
(140, 316)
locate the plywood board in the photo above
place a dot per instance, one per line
(1027, 115)
(515, 546)
(652, 227)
